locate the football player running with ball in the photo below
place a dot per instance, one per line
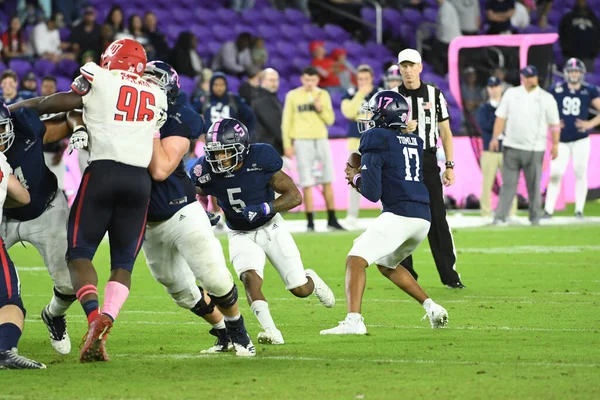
(244, 179)
(390, 171)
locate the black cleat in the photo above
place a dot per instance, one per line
(456, 285)
(239, 338)
(223, 343)
(335, 225)
(10, 359)
(310, 227)
(579, 215)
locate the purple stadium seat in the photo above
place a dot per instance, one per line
(283, 47)
(203, 15)
(272, 15)
(336, 99)
(294, 16)
(313, 32)
(65, 34)
(187, 84)
(223, 33)
(335, 32)
(337, 131)
(226, 16)
(172, 31)
(201, 31)
(63, 83)
(268, 32)
(233, 84)
(67, 67)
(412, 16)
(368, 14)
(300, 63)
(554, 16)
(252, 16)
(180, 15)
(354, 48)
(19, 66)
(430, 14)
(44, 67)
(391, 17)
(262, 4)
(240, 28)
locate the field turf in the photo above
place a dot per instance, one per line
(527, 326)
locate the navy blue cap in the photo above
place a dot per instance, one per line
(529, 71)
(493, 81)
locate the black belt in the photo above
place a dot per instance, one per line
(431, 150)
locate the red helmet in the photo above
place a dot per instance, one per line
(125, 54)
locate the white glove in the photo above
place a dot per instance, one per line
(79, 139)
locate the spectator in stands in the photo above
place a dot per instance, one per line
(184, 57)
(543, 9)
(346, 71)
(520, 18)
(13, 41)
(469, 16)
(31, 13)
(202, 89)
(306, 115)
(258, 52)
(241, 5)
(234, 57)
(500, 73)
(28, 87)
(107, 36)
(472, 94)
(70, 9)
(301, 5)
(9, 83)
(250, 86)
(499, 13)
(88, 56)
(392, 78)
(530, 111)
(447, 29)
(157, 39)
(490, 161)
(579, 34)
(85, 36)
(115, 19)
(46, 41)
(268, 111)
(221, 103)
(352, 107)
(135, 31)
(325, 66)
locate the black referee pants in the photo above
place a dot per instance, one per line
(440, 237)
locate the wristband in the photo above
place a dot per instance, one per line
(267, 207)
(157, 135)
(355, 179)
(79, 128)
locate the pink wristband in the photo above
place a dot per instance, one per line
(157, 135)
(355, 179)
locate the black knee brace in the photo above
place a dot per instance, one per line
(228, 300)
(202, 308)
(65, 297)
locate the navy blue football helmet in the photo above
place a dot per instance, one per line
(386, 109)
(392, 77)
(164, 76)
(7, 130)
(574, 65)
(227, 144)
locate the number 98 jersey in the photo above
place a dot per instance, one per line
(247, 185)
(573, 105)
(122, 112)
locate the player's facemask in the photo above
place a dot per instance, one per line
(364, 124)
(157, 76)
(7, 133)
(224, 157)
(574, 75)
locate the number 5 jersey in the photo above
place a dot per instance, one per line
(122, 112)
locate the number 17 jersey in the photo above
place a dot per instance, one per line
(122, 112)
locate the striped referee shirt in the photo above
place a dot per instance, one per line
(428, 107)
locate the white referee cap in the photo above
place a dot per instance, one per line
(409, 55)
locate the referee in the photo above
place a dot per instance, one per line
(430, 110)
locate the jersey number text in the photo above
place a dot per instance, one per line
(237, 204)
(411, 152)
(133, 105)
(571, 106)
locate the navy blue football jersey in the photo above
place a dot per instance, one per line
(572, 105)
(177, 191)
(392, 171)
(247, 185)
(26, 157)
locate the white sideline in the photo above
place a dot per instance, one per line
(355, 361)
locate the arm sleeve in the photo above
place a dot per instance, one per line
(552, 116)
(286, 121)
(89, 71)
(326, 114)
(370, 182)
(441, 107)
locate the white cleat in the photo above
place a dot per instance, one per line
(347, 327)
(222, 345)
(57, 327)
(322, 291)
(438, 316)
(270, 336)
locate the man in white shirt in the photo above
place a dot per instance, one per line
(524, 115)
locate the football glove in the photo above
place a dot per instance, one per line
(213, 218)
(253, 212)
(79, 139)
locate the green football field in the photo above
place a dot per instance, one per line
(527, 326)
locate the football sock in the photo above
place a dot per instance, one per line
(427, 304)
(353, 317)
(115, 294)
(60, 303)
(309, 218)
(234, 318)
(219, 325)
(90, 307)
(331, 215)
(260, 308)
(9, 336)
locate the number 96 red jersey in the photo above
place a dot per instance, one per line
(122, 112)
